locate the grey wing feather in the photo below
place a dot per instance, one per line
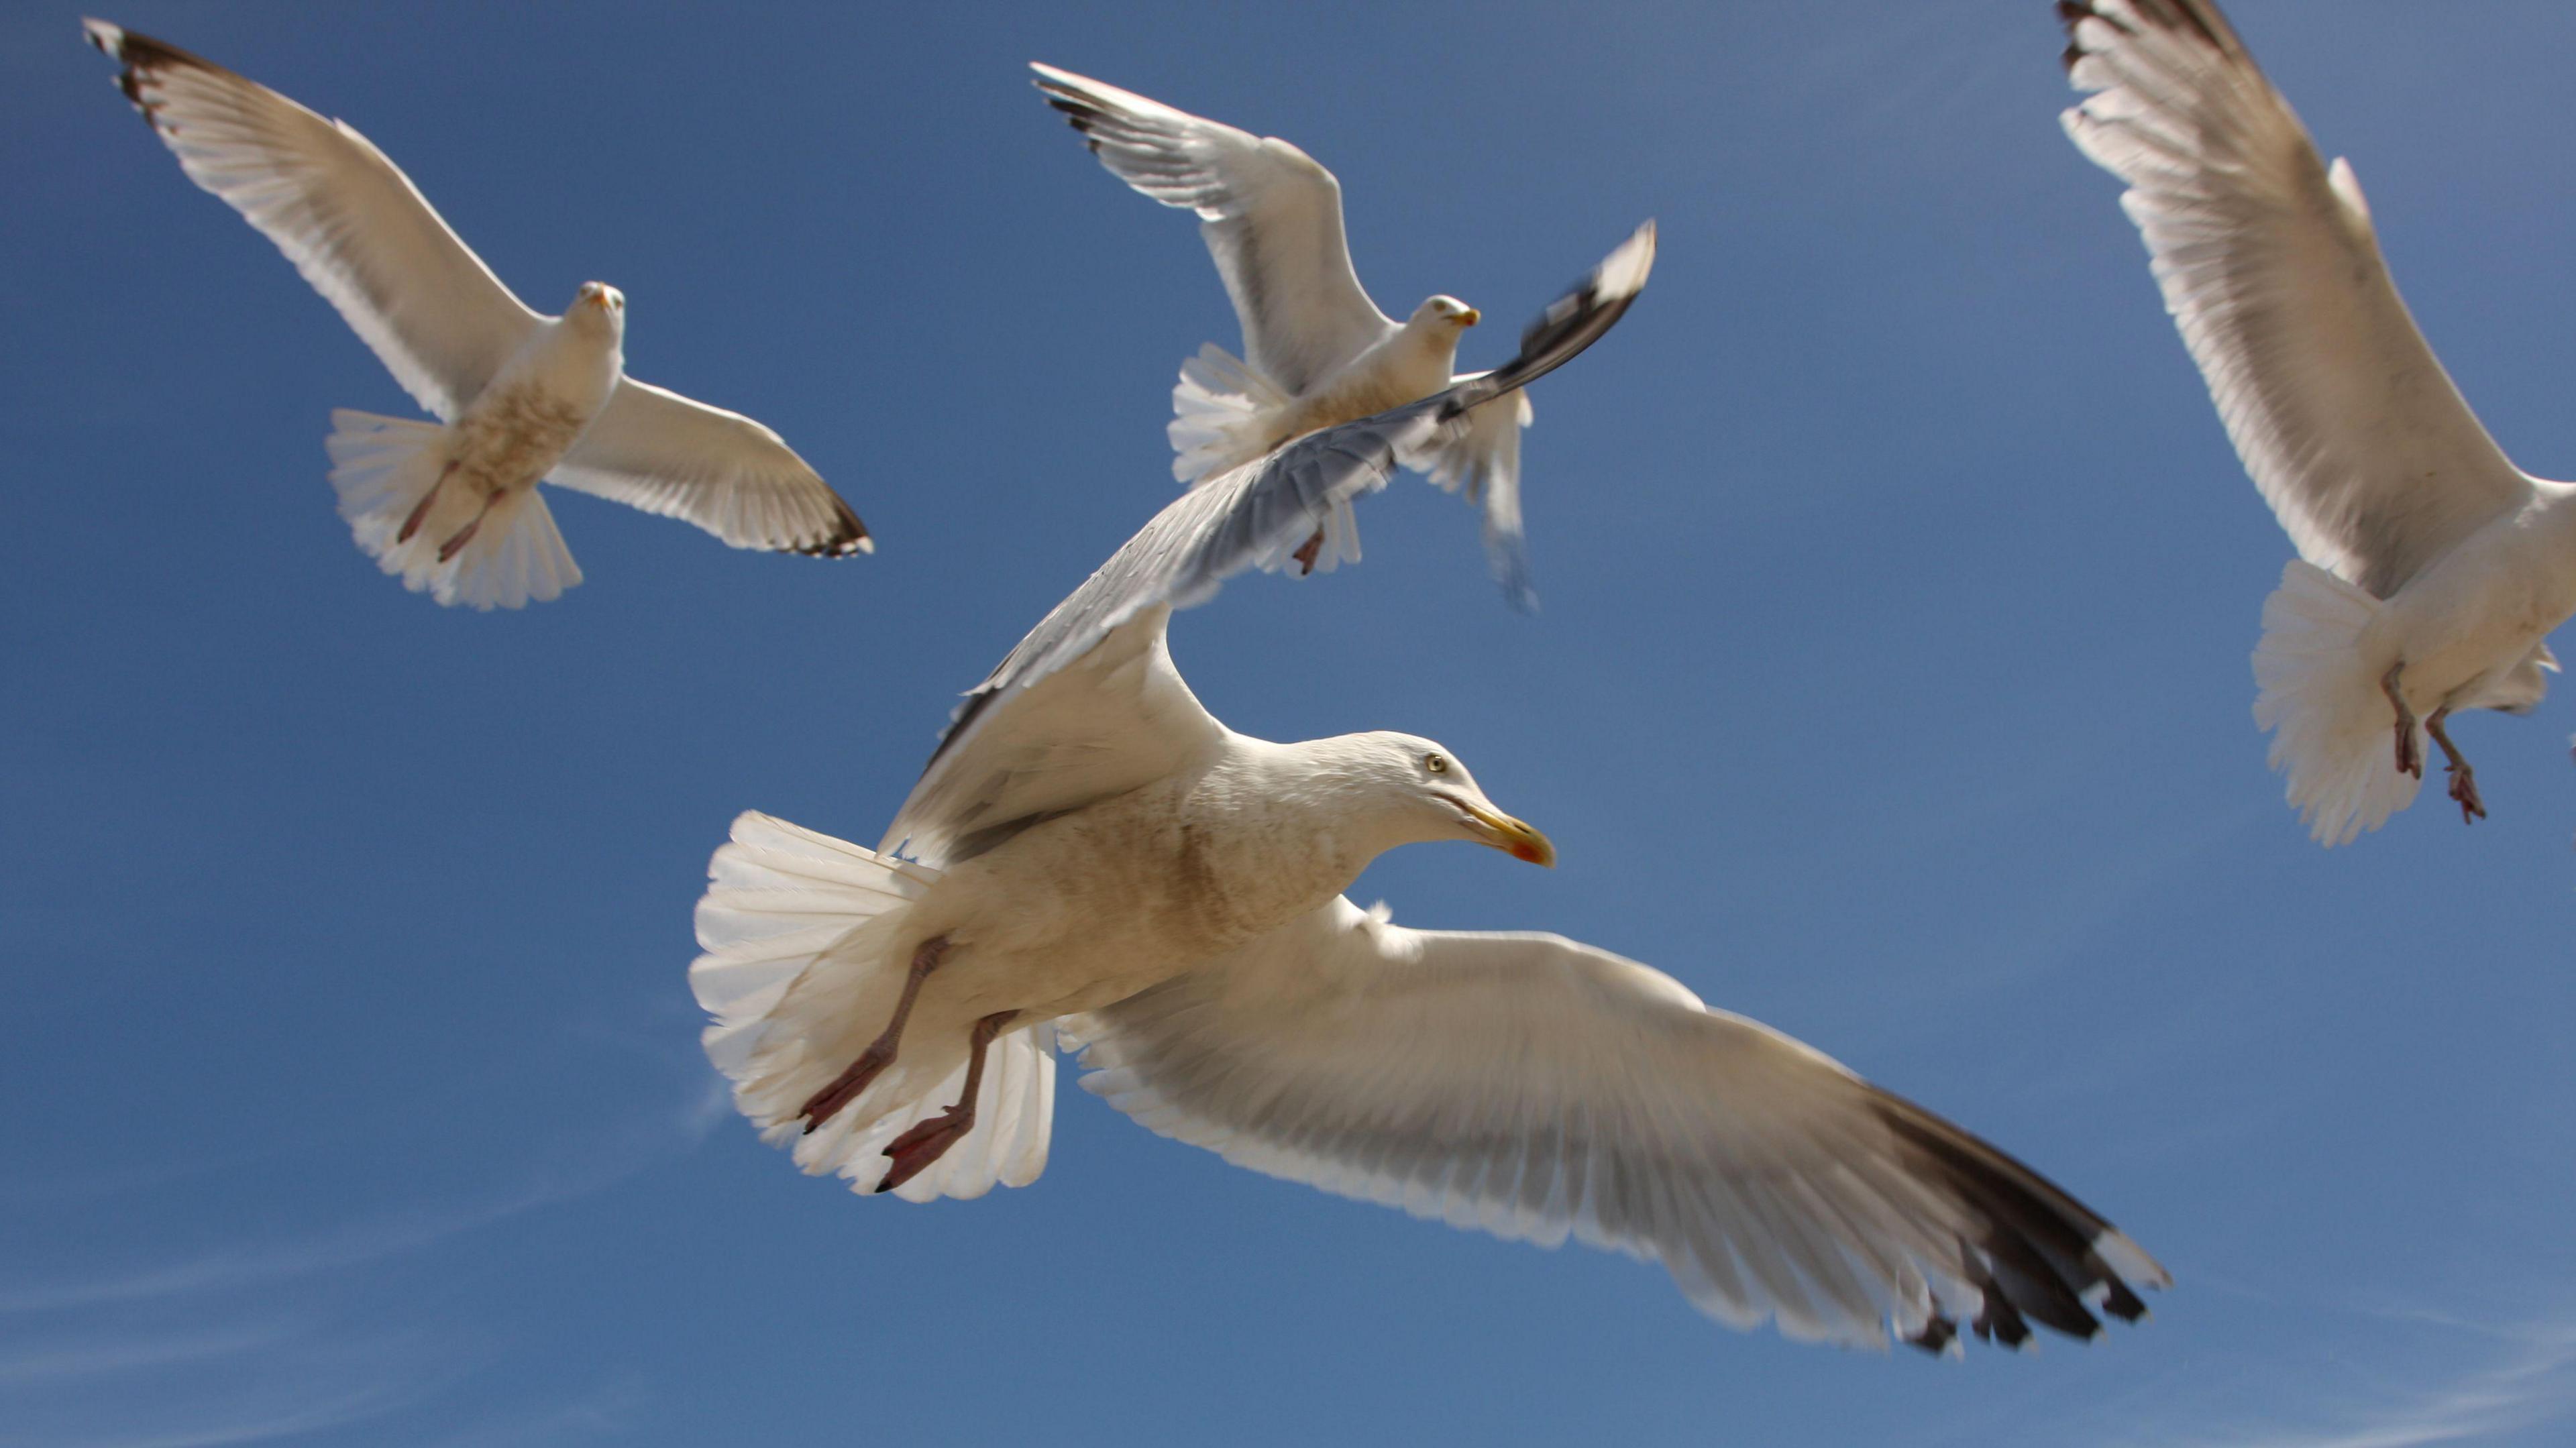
(1271, 217)
(1537, 1088)
(2355, 435)
(656, 450)
(348, 218)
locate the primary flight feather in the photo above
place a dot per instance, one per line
(523, 397)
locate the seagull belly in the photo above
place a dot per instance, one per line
(1091, 907)
(1389, 375)
(513, 435)
(2480, 609)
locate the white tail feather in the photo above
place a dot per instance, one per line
(803, 935)
(382, 468)
(1224, 414)
(2335, 730)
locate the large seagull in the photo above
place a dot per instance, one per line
(2431, 570)
(1091, 852)
(1317, 351)
(524, 397)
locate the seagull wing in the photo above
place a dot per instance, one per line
(1536, 1088)
(1009, 759)
(1271, 216)
(2350, 427)
(666, 454)
(348, 218)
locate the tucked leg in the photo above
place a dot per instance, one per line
(1305, 554)
(465, 535)
(2410, 755)
(929, 1141)
(2464, 780)
(845, 1088)
(420, 510)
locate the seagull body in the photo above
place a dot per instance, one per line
(1090, 852)
(2432, 570)
(1317, 351)
(524, 397)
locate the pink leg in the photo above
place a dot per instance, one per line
(1305, 554)
(2464, 780)
(2410, 755)
(420, 510)
(845, 1088)
(927, 1142)
(465, 535)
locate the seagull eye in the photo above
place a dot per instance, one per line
(1436, 763)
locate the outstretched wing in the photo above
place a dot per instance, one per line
(352, 223)
(1536, 1088)
(663, 453)
(2350, 427)
(1271, 216)
(1003, 761)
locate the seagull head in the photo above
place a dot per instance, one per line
(599, 300)
(1416, 791)
(1446, 312)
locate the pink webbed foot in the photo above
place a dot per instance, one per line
(2464, 792)
(912, 1153)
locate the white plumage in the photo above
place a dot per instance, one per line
(1090, 848)
(1317, 351)
(2456, 564)
(524, 397)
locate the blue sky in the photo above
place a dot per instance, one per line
(1890, 687)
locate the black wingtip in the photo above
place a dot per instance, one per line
(848, 536)
(2034, 1253)
(140, 55)
(1570, 324)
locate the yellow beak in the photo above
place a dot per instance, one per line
(1513, 837)
(1471, 318)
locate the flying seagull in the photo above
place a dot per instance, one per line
(1090, 852)
(523, 396)
(1317, 351)
(2431, 569)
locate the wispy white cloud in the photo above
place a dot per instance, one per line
(2529, 1382)
(603, 1159)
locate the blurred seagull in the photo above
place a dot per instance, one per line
(525, 397)
(1317, 351)
(1089, 850)
(2431, 569)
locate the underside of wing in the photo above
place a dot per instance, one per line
(352, 223)
(661, 452)
(1113, 718)
(1271, 216)
(2347, 422)
(1535, 1088)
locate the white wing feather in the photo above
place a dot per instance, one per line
(1536, 1088)
(348, 218)
(2344, 417)
(666, 454)
(1271, 216)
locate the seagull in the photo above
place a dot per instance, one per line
(454, 509)
(2431, 570)
(1317, 351)
(1091, 860)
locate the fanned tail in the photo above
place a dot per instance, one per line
(2335, 732)
(803, 965)
(383, 467)
(1224, 414)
